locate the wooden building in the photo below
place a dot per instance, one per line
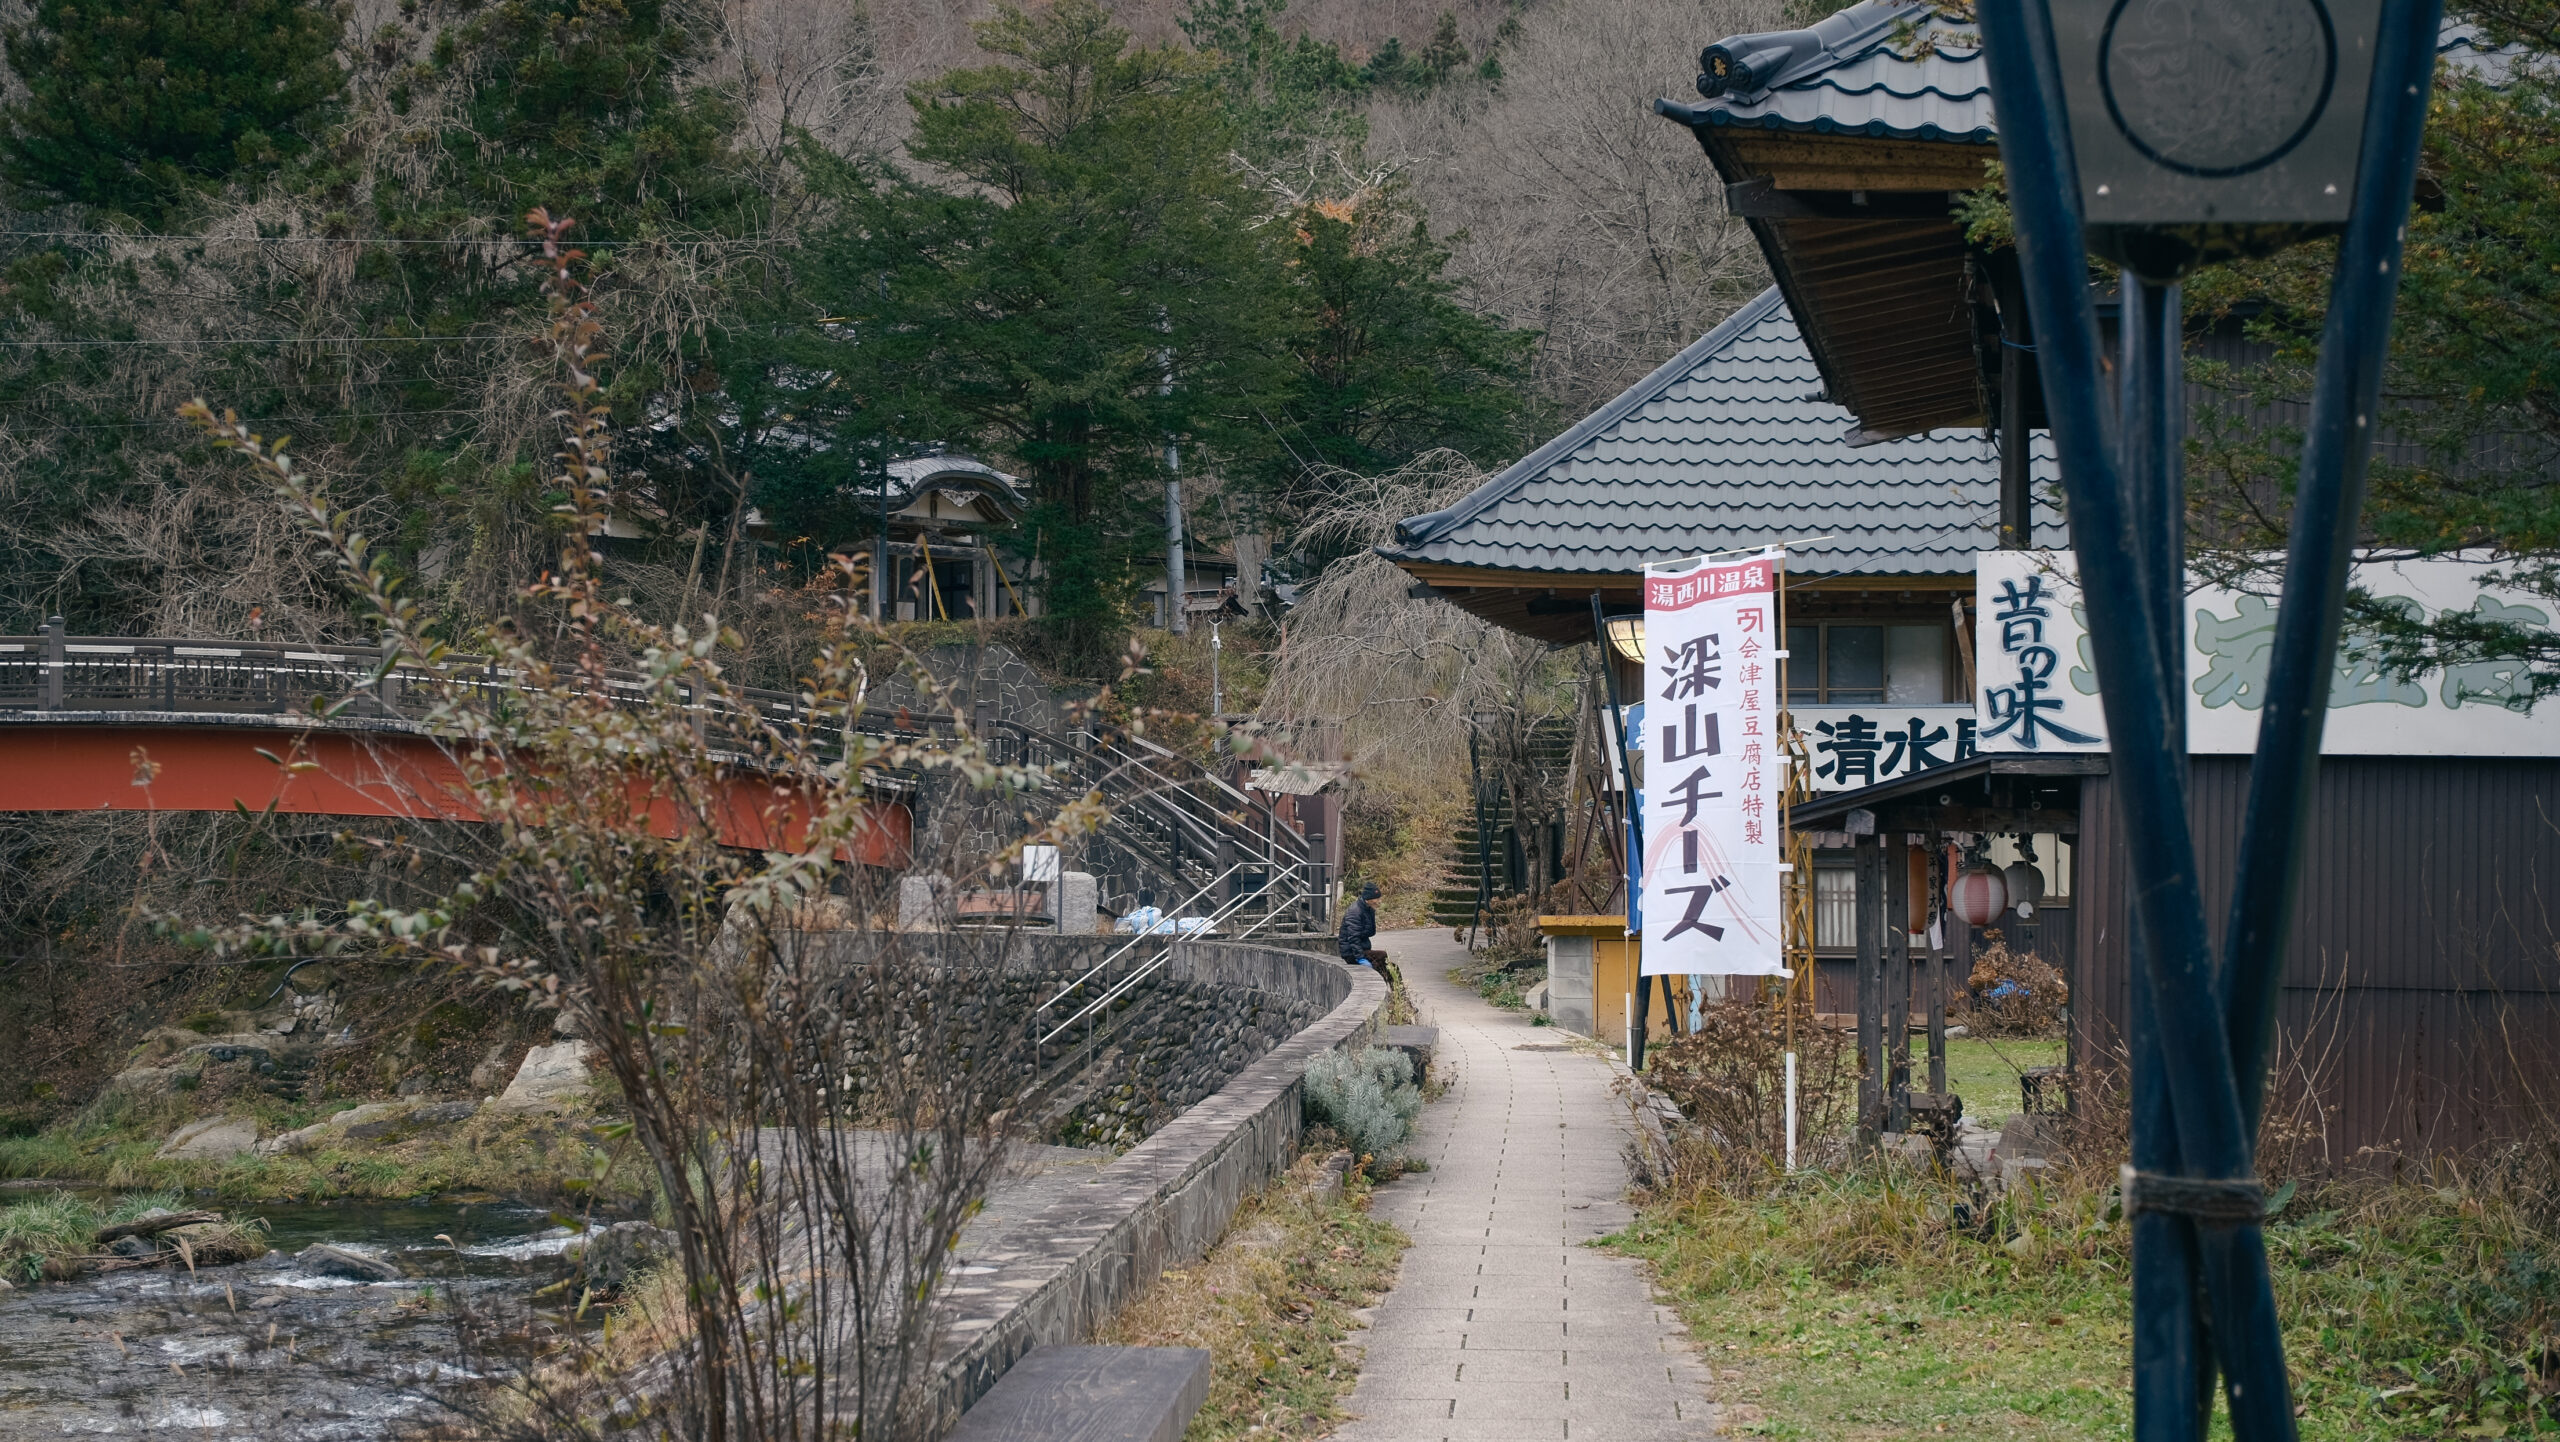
(2419, 1011)
(1732, 443)
(1879, 397)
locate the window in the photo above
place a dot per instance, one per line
(1835, 906)
(2053, 858)
(1844, 663)
(1915, 664)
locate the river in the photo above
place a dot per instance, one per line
(260, 1349)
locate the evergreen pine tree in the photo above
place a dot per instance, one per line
(130, 103)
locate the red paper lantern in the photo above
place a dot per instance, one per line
(1978, 895)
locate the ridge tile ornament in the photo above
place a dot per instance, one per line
(2209, 111)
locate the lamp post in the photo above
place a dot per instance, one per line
(2169, 135)
(1625, 635)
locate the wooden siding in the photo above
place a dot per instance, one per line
(2421, 1010)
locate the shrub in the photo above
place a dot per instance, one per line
(1368, 1096)
(49, 1224)
(1728, 1078)
(2013, 993)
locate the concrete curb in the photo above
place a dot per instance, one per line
(1166, 1201)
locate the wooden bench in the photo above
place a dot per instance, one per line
(1091, 1394)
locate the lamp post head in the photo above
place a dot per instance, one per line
(2223, 113)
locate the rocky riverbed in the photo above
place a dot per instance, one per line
(276, 1349)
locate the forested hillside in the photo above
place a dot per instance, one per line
(1301, 241)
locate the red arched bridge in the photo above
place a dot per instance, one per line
(81, 715)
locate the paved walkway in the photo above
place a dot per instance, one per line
(1502, 1325)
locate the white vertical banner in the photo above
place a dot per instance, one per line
(2037, 691)
(1711, 783)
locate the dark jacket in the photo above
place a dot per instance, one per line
(1359, 926)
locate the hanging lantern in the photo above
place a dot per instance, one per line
(1978, 895)
(2025, 883)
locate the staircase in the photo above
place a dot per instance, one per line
(1203, 847)
(1490, 864)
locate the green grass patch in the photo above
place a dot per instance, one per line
(49, 1224)
(1493, 981)
(1984, 1070)
(61, 1228)
(1888, 1304)
(532, 1157)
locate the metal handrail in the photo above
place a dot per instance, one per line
(1242, 798)
(1130, 982)
(1166, 813)
(1140, 974)
(1125, 948)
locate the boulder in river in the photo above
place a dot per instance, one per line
(323, 1260)
(306, 1138)
(615, 1255)
(553, 1079)
(213, 1140)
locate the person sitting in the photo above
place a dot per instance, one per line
(1359, 928)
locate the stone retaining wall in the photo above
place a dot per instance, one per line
(1169, 1199)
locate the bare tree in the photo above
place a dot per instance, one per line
(1408, 681)
(1586, 216)
(672, 865)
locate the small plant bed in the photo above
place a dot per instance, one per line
(1885, 1303)
(55, 1236)
(1273, 1302)
(1505, 982)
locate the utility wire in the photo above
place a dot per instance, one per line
(270, 421)
(351, 239)
(261, 340)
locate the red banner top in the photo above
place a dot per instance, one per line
(1709, 583)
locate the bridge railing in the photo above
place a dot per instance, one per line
(53, 671)
(1180, 820)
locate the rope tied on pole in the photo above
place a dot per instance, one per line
(2207, 1201)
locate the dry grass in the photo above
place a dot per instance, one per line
(1886, 1302)
(53, 1235)
(1273, 1304)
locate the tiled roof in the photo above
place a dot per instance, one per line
(1727, 446)
(1894, 68)
(912, 475)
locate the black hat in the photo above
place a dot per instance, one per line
(1370, 892)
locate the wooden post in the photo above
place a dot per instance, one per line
(1869, 900)
(49, 691)
(1938, 970)
(2017, 355)
(1960, 969)
(1897, 982)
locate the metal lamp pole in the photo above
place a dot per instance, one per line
(2201, 1030)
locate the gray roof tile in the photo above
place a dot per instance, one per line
(1913, 74)
(1725, 447)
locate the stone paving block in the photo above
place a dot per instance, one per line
(1392, 1410)
(1543, 1397)
(1504, 1336)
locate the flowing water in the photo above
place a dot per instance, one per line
(260, 1349)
